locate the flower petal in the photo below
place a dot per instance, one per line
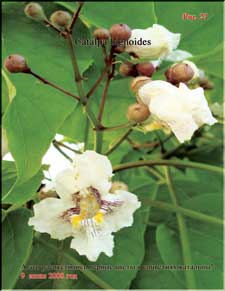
(182, 110)
(162, 42)
(94, 170)
(92, 247)
(65, 183)
(178, 55)
(122, 215)
(47, 218)
(197, 104)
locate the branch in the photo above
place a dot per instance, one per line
(75, 17)
(59, 31)
(118, 142)
(102, 105)
(185, 211)
(53, 85)
(184, 239)
(174, 163)
(77, 75)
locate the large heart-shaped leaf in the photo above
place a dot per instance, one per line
(17, 241)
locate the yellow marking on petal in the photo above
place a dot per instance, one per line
(76, 219)
(99, 217)
(154, 125)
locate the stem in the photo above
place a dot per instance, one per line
(75, 16)
(86, 134)
(53, 85)
(77, 75)
(118, 142)
(102, 105)
(97, 133)
(173, 152)
(168, 163)
(55, 142)
(88, 273)
(62, 152)
(125, 125)
(155, 173)
(142, 145)
(97, 83)
(104, 54)
(185, 211)
(49, 24)
(190, 278)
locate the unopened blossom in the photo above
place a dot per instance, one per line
(85, 209)
(179, 109)
(161, 42)
(194, 68)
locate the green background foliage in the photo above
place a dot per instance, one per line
(38, 112)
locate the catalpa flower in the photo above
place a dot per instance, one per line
(178, 109)
(85, 209)
(163, 42)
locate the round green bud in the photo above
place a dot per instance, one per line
(35, 11)
(120, 32)
(179, 73)
(16, 64)
(61, 19)
(138, 113)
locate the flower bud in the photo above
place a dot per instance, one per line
(101, 34)
(35, 11)
(117, 185)
(145, 69)
(120, 32)
(137, 112)
(179, 73)
(127, 69)
(138, 82)
(61, 19)
(16, 64)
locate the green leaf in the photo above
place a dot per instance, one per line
(169, 248)
(156, 278)
(17, 241)
(8, 91)
(140, 15)
(211, 62)
(74, 125)
(38, 111)
(8, 176)
(31, 122)
(50, 56)
(13, 192)
(205, 250)
(194, 34)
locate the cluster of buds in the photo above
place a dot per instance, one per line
(134, 70)
(60, 19)
(118, 34)
(138, 112)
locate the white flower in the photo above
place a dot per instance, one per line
(86, 210)
(162, 42)
(178, 55)
(181, 110)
